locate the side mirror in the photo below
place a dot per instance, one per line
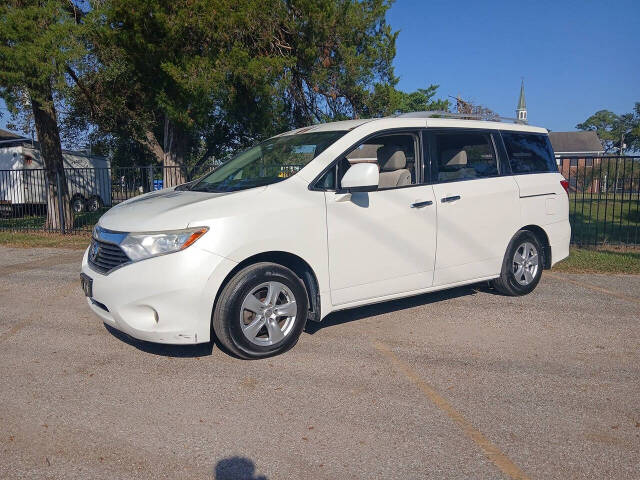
(361, 177)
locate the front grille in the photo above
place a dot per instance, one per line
(104, 257)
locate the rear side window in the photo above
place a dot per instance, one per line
(529, 152)
(463, 156)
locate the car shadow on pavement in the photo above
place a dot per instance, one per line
(333, 319)
(186, 351)
(358, 313)
(236, 468)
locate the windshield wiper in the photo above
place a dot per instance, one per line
(185, 186)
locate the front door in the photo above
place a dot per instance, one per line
(382, 243)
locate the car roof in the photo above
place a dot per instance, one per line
(410, 121)
(328, 127)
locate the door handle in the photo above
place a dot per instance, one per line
(450, 199)
(421, 204)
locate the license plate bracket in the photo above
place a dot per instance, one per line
(86, 282)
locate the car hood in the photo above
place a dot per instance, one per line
(162, 210)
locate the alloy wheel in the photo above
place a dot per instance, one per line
(525, 263)
(268, 313)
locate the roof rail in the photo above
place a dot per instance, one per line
(460, 116)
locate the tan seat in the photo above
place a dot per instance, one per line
(456, 160)
(393, 171)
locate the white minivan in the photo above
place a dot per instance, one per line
(326, 218)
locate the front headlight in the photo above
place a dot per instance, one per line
(139, 246)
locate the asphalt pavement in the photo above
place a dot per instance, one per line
(462, 384)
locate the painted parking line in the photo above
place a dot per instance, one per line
(491, 451)
(563, 278)
(50, 261)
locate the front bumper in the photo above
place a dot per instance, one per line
(165, 299)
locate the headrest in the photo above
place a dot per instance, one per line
(390, 158)
(454, 157)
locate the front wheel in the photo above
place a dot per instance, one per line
(522, 265)
(261, 311)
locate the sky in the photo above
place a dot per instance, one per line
(576, 57)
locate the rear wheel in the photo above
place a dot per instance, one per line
(261, 311)
(522, 265)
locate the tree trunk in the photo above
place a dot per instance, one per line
(171, 155)
(59, 215)
(174, 153)
(300, 114)
(154, 146)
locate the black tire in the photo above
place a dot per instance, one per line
(226, 316)
(507, 283)
(6, 210)
(78, 203)
(94, 203)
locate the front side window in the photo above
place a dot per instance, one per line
(529, 152)
(269, 162)
(394, 154)
(463, 156)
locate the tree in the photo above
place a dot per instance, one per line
(341, 54)
(421, 100)
(386, 100)
(614, 130)
(192, 79)
(475, 111)
(607, 125)
(174, 76)
(38, 43)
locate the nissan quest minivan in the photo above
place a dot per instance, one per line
(326, 218)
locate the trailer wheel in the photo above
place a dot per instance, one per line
(77, 203)
(6, 210)
(94, 203)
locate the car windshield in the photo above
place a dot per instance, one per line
(269, 162)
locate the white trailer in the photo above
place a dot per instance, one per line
(23, 179)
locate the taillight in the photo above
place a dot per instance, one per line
(565, 185)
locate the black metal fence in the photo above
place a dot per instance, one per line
(25, 194)
(604, 196)
(604, 199)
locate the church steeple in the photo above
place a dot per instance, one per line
(521, 111)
